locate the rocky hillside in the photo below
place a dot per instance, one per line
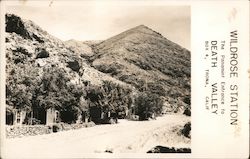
(44, 71)
(145, 59)
(28, 44)
(41, 71)
(82, 48)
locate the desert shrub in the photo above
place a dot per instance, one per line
(186, 130)
(18, 60)
(37, 38)
(156, 88)
(133, 80)
(113, 69)
(56, 128)
(187, 100)
(140, 63)
(22, 51)
(187, 112)
(173, 92)
(42, 53)
(147, 104)
(74, 65)
(187, 85)
(19, 55)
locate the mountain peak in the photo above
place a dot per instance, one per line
(141, 27)
(136, 33)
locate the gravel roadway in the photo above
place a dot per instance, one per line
(124, 137)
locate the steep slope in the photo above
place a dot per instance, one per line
(79, 47)
(138, 58)
(42, 70)
(147, 60)
(26, 41)
(82, 48)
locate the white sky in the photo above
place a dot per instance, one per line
(98, 21)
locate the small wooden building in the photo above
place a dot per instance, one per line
(19, 116)
(36, 116)
(15, 116)
(52, 116)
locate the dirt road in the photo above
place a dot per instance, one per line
(124, 137)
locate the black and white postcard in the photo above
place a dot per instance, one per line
(124, 79)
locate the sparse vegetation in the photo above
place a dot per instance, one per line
(187, 112)
(145, 56)
(148, 105)
(112, 69)
(186, 131)
(74, 65)
(42, 53)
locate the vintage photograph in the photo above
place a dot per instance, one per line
(97, 78)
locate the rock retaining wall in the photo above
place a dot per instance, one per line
(31, 130)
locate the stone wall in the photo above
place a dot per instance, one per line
(31, 130)
(25, 130)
